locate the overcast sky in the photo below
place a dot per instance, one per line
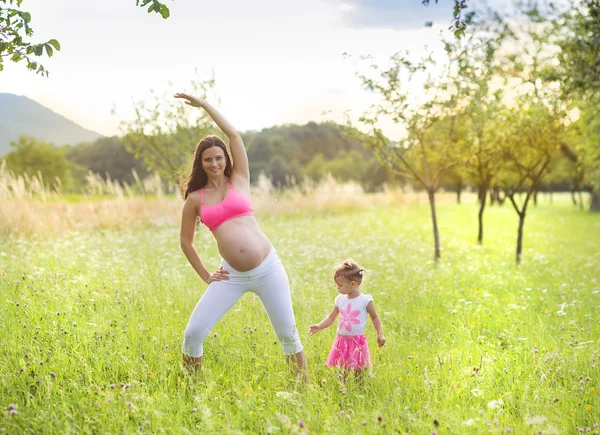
(274, 61)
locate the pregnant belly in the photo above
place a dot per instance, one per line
(241, 243)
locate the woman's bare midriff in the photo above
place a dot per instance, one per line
(241, 243)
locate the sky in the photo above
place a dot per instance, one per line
(274, 61)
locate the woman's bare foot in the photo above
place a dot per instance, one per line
(192, 364)
(300, 366)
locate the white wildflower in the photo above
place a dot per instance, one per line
(495, 404)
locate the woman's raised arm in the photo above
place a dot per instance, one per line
(240, 158)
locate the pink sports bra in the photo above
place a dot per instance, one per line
(234, 205)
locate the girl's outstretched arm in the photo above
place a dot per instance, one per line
(238, 152)
(325, 323)
(376, 323)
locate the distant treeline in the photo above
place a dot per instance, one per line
(285, 154)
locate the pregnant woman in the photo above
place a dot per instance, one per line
(218, 191)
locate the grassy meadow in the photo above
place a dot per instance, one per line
(92, 323)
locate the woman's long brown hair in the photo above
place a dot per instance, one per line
(198, 178)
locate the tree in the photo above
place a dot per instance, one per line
(314, 150)
(568, 169)
(534, 127)
(478, 62)
(532, 138)
(316, 168)
(349, 166)
(460, 25)
(155, 6)
(278, 171)
(43, 159)
(484, 160)
(108, 157)
(577, 33)
(583, 150)
(564, 175)
(15, 28)
(433, 141)
(164, 134)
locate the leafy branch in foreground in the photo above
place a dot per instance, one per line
(155, 6)
(15, 30)
(459, 26)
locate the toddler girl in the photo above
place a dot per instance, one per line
(350, 349)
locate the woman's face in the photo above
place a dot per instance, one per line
(214, 161)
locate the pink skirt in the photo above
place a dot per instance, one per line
(349, 352)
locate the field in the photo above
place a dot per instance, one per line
(92, 321)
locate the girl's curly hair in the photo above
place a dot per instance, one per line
(349, 270)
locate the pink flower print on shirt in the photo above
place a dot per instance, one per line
(349, 318)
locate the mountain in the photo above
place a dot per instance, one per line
(21, 116)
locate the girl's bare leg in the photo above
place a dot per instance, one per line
(360, 376)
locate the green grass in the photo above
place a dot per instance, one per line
(475, 344)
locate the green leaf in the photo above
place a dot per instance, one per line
(151, 8)
(49, 51)
(55, 44)
(164, 11)
(27, 17)
(38, 50)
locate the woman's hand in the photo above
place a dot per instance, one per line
(219, 275)
(313, 329)
(380, 339)
(190, 100)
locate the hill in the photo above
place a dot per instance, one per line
(22, 116)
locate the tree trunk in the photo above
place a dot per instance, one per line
(480, 233)
(492, 196)
(436, 236)
(480, 193)
(580, 200)
(500, 199)
(573, 198)
(458, 192)
(535, 198)
(594, 201)
(521, 212)
(520, 236)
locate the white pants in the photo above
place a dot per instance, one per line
(269, 281)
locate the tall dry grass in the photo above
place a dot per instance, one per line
(28, 206)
